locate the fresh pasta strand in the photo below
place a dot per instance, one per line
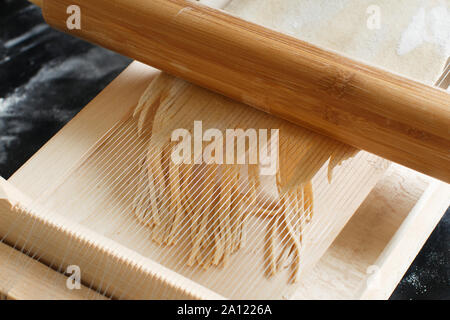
(206, 205)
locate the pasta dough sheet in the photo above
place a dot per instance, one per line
(408, 37)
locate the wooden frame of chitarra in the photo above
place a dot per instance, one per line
(366, 260)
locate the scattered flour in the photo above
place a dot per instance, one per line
(432, 26)
(88, 66)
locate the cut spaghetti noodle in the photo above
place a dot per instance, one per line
(228, 193)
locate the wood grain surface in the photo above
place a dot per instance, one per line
(369, 108)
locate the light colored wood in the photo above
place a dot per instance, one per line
(379, 243)
(38, 283)
(444, 80)
(61, 241)
(334, 205)
(61, 190)
(407, 241)
(82, 132)
(369, 108)
(340, 273)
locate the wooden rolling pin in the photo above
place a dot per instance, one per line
(371, 109)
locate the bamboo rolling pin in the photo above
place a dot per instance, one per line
(369, 108)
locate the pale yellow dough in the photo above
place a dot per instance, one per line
(413, 39)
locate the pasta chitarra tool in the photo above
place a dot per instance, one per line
(165, 188)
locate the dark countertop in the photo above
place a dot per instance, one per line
(47, 77)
